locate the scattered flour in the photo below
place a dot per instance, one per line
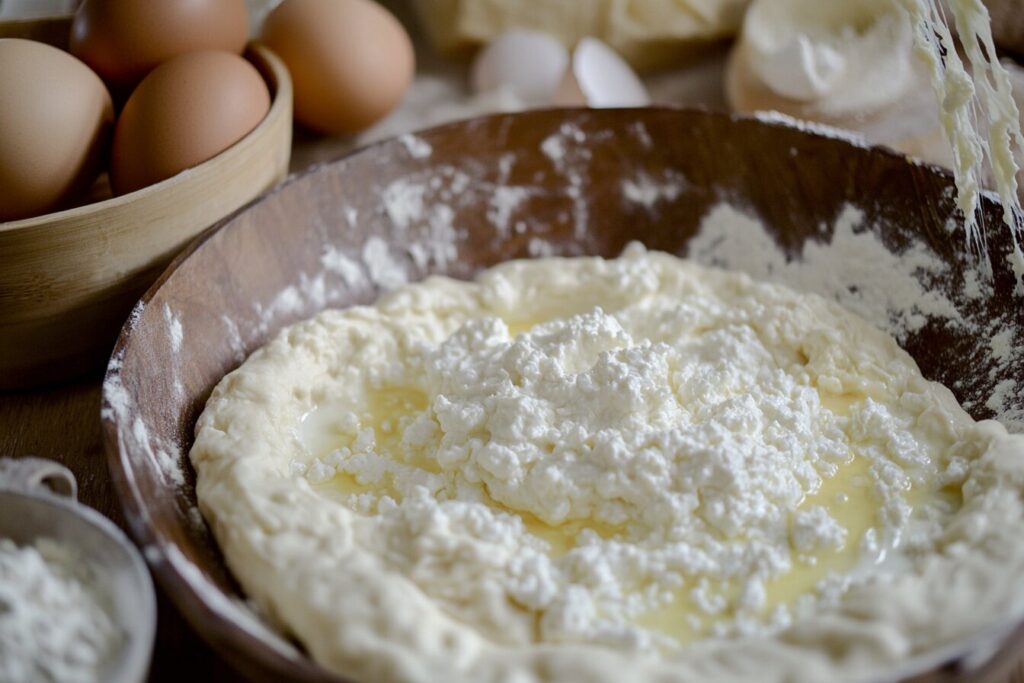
(815, 127)
(855, 268)
(403, 202)
(382, 267)
(638, 130)
(234, 337)
(900, 292)
(174, 329)
(649, 192)
(567, 151)
(540, 248)
(417, 147)
(56, 624)
(503, 203)
(175, 334)
(119, 406)
(335, 261)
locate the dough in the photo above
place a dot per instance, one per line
(638, 469)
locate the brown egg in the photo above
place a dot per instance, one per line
(187, 110)
(350, 60)
(55, 120)
(123, 40)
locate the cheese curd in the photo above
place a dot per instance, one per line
(591, 470)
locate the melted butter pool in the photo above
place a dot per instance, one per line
(849, 497)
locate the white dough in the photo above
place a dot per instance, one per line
(677, 415)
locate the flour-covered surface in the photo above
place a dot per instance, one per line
(56, 622)
(900, 290)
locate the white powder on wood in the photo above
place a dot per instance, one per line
(503, 203)
(855, 268)
(417, 147)
(898, 291)
(336, 261)
(176, 336)
(174, 329)
(815, 127)
(381, 265)
(649, 191)
(119, 405)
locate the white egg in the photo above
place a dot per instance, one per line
(529, 64)
(599, 77)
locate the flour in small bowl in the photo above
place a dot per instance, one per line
(56, 623)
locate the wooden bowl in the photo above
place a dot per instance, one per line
(68, 279)
(263, 268)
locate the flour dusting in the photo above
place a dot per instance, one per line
(649, 192)
(417, 147)
(815, 127)
(174, 329)
(898, 291)
(234, 336)
(855, 268)
(336, 261)
(381, 265)
(132, 432)
(176, 335)
(503, 203)
(567, 151)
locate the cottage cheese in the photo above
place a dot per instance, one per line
(579, 469)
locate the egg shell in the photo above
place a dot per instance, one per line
(599, 77)
(55, 120)
(530, 64)
(123, 40)
(187, 110)
(350, 60)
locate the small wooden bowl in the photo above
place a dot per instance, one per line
(68, 279)
(263, 268)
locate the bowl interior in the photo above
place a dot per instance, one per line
(27, 518)
(457, 199)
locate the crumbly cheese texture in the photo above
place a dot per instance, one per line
(598, 470)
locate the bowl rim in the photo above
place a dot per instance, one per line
(273, 72)
(138, 652)
(202, 605)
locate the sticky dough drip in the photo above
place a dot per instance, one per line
(963, 98)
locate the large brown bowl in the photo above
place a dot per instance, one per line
(263, 268)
